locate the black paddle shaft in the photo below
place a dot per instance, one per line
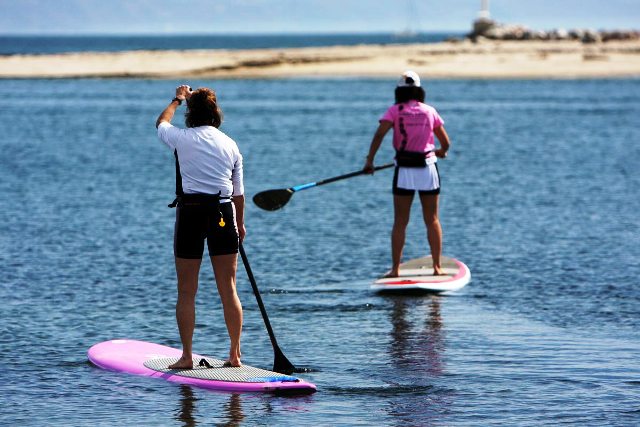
(351, 175)
(280, 362)
(272, 200)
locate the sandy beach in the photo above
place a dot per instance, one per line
(455, 59)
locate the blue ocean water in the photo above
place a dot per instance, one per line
(12, 45)
(540, 200)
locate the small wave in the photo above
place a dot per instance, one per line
(317, 308)
(305, 370)
(387, 391)
(308, 291)
(74, 363)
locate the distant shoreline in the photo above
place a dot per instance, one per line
(486, 59)
(38, 44)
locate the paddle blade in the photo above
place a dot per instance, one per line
(272, 200)
(281, 364)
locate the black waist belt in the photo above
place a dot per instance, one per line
(198, 200)
(411, 159)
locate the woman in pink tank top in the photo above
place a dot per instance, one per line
(414, 124)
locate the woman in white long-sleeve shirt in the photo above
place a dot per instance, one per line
(210, 206)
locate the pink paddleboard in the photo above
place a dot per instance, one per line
(151, 360)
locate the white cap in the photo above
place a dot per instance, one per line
(409, 79)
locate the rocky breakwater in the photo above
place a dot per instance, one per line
(489, 29)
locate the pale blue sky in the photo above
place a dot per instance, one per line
(301, 16)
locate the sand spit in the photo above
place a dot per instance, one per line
(455, 59)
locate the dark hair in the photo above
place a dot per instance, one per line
(408, 93)
(202, 109)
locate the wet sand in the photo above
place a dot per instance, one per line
(461, 59)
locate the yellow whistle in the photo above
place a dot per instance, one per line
(221, 223)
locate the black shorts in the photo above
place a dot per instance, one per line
(197, 222)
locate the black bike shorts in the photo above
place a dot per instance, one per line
(197, 222)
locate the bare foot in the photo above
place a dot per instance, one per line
(232, 364)
(390, 274)
(182, 363)
(437, 271)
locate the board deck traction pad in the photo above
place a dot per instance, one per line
(449, 266)
(218, 372)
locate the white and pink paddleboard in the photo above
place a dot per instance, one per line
(417, 276)
(151, 360)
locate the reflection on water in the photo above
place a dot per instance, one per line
(231, 415)
(234, 410)
(433, 330)
(187, 406)
(417, 348)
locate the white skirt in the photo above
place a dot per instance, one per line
(420, 179)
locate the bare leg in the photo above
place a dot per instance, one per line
(187, 271)
(224, 268)
(434, 231)
(401, 210)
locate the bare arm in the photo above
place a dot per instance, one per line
(167, 113)
(182, 92)
(445, 143)
(238, 201)
(382, 130)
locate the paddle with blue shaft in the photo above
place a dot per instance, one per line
(272, 200)
(280, 362)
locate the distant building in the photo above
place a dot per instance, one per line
(484, 10)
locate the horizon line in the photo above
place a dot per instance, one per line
(229, 34)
